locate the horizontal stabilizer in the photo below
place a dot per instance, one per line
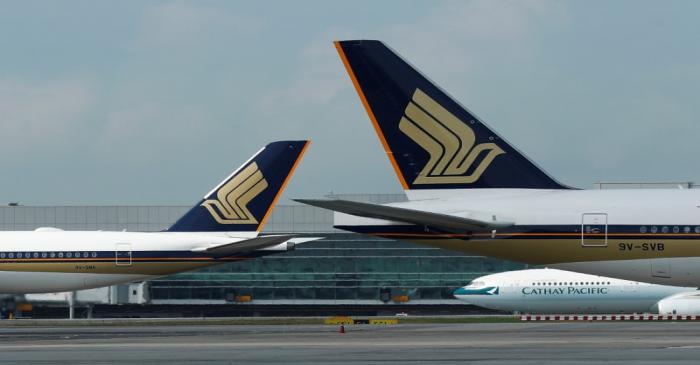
(446, 222)
(248, 245)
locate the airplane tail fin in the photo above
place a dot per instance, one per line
(244, 200)
(432, 141)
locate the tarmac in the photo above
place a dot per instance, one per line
(480, 343)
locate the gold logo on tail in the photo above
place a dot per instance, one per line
(230, 205)
(449, 141)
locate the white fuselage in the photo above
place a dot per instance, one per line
(53, 260)
(558, 291)
(650, 235)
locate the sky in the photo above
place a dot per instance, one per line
(154, 102)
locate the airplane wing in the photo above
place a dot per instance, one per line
(248, 245)
(449, 223)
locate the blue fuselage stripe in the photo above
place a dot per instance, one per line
(681, 232)
(111, 256)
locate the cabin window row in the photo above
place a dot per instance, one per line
(667, 229)
(44, 255)
(573, 283)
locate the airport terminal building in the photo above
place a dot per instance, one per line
(341, 270)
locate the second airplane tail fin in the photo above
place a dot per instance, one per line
(433, 142)
(245, 199)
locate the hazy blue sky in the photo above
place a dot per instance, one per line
(153, 102)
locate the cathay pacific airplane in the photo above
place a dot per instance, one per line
(557, 291)
(222, 227)
(470, 190)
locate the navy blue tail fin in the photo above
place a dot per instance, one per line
(244, 200)
(433, 142)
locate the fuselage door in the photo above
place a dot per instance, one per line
(594, 230)
(122, 254)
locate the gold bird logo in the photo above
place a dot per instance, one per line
(449, 141)
(231, 203)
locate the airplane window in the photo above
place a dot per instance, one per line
(676, 229)
(36, 255)
(94, 254)
(85, 254)
(2, 255)
(697, 229)
(686, 229)
(77, 254)
(654, 229)
(643, 229)
(664, 229)
(27, 255)
(608, 283)
(52, 254)
(11, 255)
(43, 255)
(60, 254)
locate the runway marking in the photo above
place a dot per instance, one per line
(342, 341)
